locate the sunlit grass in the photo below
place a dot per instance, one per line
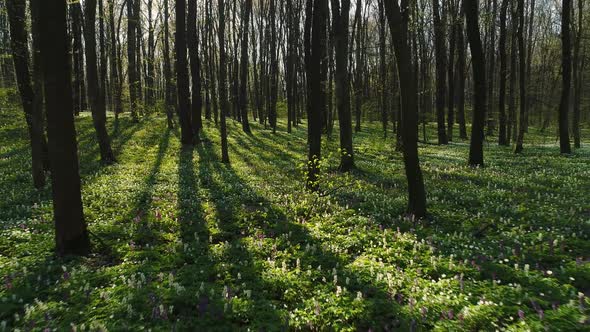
(183, 241)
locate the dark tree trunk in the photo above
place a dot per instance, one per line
(382, 68)
(340, 18)
(246, 13)
(461, 70)
(522, 69)
(566, 68)
(441, 71)
(578, 70)
(502, 139)
(116, 84)
(70, 228)
(452, 9)
(479, 80)
(492, 69)
(150, 61)
(358, 89)
(274, 68)
(193, 45)
(222, 82)
(33, 113)
(78, 91)
(315, 43)
(511, 129)
(131, 59)
(103, 77)
(398, 24)
(95, 90)
(182, 79)
(169, 103)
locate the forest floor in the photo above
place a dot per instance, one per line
(183, 242)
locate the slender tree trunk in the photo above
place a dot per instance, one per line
(440, 54)
(95, 90)
(131, 59)
(167, 70)
(182, 76)
(193, 45)
(315, 43)
(78, 91)
(502, 139)
(479, 80)
(33, 112)
(382, 67)
(522, 68)
(116, 85)
(578, 74)
(340, 18)
(461, 70)
(566, 68)
(398, 18)
(70, 228)
(358, 67)
(222, 82)
(511, 130)
(247, 10)
(492, 69)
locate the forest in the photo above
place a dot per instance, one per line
(294, 165)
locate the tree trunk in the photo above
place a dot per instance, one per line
(193, 45)
(502, 139)
(382, 68)
(441, 71)
(511, 129)
(222, 82)
(168, 102)
(70, 227)
(95, 90)
(398, 24)
(461, 70)
(315, 43)
(116, 84)
(78, 91)
(578, 70)
(340, 18)
(247, 11)
(33, 113)
(522, 68)
(479, 80)
(131, 59)
(566, 68)
(182, 79)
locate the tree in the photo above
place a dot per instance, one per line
(131, 58)
(461, 64)
(243, 102)
(479, 78)
(33, 113)
(168, 103)
(95, 90)
(452, 9)
(193, 45)
(79, 89)
(566, 68)
(340, 18)
(382, 67)
(502, 139)
(398, 17)
(182, 79)
(315, 44)
(522, 73)
(71, 235)
(578, 70)
(222, 82)
(116, 81)
(441, 71)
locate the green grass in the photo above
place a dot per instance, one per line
(183, 242)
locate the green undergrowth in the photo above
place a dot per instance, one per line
(184, 242)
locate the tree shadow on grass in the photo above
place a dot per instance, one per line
(247, 224)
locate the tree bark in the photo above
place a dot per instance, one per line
(502, 139)
(168, 102)
(222, 82)
(340, 18)
(440, 54)
(95, 90)
(182, 79)
(479, 80)
(33, 113)
(522, 83)
(566, 68)
(131, 59)
(193, 45)
(247, 11)
(70, 228)
(398, 18)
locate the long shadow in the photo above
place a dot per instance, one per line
(245, 215)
